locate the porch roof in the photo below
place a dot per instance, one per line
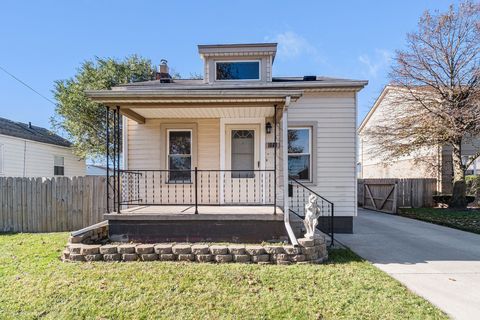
(142, 104)
(176, 97)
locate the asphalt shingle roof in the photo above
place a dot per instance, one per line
(31, 132)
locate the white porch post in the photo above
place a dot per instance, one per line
(286, 211)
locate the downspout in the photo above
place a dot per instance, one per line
(286, 208)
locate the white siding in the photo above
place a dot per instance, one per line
(145, 143)
(335, 114)
(26, 158)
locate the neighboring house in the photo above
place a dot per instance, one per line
(30, 151)
(224, 125)
(97, 170)
(433, 162)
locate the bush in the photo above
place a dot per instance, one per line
(445, 198)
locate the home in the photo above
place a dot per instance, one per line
(97, 170)
(233, 156)
(434, 162)
(30, 151)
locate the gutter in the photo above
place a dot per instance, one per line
(192, 93)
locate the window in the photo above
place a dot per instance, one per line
(243, 153)
(180, 155)
(237, 70)
(473, 168)
(2, 164)
(299, 153)
(58, 166)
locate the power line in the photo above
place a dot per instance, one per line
(26, 85)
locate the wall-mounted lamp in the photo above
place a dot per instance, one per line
(268, 127)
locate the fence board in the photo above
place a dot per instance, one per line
(51, 204)
(2, 202)
(407, 193)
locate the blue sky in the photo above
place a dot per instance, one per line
(42, 41)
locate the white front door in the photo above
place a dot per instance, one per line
(242, 184)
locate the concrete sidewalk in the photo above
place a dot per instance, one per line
(438, 263)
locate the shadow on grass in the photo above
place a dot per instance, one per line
(341, 256)
(8, 233)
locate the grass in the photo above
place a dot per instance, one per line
(34, 284)
(467, 220)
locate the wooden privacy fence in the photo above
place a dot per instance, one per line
(387, 195)
(51, 204)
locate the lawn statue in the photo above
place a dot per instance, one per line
(312, 212)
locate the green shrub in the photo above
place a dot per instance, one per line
(445, 198)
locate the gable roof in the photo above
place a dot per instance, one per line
(238, 49)
(31, 132)
(374, 107)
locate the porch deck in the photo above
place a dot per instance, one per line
(152, 224)
(187, 212)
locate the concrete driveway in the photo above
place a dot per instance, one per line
(438, 263)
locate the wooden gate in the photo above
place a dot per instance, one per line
(388, 194)
(380, 196)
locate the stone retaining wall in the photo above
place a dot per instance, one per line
(309, 251)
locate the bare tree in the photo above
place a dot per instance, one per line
(437, 97)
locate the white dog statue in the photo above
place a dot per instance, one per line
(312, 212)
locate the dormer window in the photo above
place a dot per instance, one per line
(237, 70)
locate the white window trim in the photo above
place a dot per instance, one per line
(229, 121)
(168, 148)
(233, 61)
(54, 165)
(2, 158)
(310, 149)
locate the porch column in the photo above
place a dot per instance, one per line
(285, 158)
(286, 211)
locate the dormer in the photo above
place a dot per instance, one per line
(238, 63)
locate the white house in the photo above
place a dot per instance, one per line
(433, 162)
(221, 144)
(30, 151)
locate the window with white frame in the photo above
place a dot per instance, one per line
(58, 166)
(2, 161)
(237, 70)
(300, 153)
(179, 155)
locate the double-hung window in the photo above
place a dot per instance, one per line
(58, 166)
(300, 153)
(179, 155)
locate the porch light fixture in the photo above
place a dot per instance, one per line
(268, 127)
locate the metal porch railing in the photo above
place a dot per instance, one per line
(298, 194)
(196, 187)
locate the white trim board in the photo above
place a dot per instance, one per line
(228, 121)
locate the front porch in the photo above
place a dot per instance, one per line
(236, 224)
(187, 212)
(205, 169)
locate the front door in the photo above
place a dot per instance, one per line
(241, 180)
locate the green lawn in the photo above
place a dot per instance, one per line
(467, 220)
(34, 283)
